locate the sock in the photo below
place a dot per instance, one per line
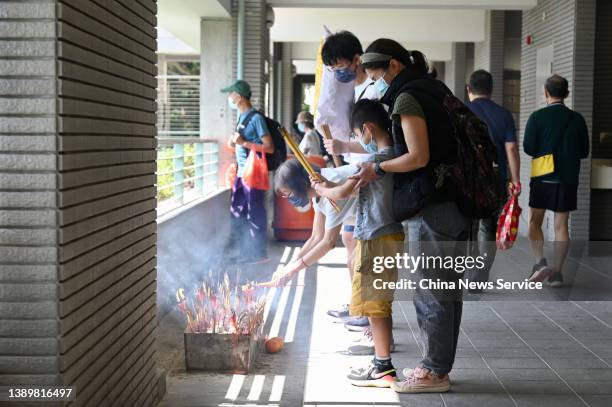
(383, 363)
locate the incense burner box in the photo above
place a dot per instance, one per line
(228, 353)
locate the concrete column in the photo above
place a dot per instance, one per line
(256, 46)
(454, 74)
(286, 93)
(489, 54)
(216, 117)
(78, 225)
(28, 180)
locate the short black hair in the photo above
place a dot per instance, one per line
(481, 82)
(292, 176)
(557, 86)
(370, 111)
(341, 45)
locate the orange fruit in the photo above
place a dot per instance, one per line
(274, 345)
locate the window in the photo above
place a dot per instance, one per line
(187, 166)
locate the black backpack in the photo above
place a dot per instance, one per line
(279, 155)
(472, 180)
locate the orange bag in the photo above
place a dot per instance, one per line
(255, 174)
(230, 174)
(507, 226)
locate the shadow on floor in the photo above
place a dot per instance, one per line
(511, 353)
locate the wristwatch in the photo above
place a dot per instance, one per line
(378, 169)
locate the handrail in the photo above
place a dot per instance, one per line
(186, 173)
(184, 140)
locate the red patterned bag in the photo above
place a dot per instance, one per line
(507, 226)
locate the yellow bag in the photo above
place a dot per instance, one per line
(546, 164)
(542, 165)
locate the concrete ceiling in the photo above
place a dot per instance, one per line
(429, 25)
(405, 25)
(414, 4)
(182, 17)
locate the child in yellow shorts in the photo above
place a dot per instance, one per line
(377, 235)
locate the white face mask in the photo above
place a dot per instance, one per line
(232, 104)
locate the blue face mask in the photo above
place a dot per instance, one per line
(302, 127)
(232, 104)
(381, 85)
(370, 147)
(298, 202)
(345, 75)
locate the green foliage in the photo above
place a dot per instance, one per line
(164, 165)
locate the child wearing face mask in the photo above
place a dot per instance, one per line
(291, 180)
(377, 235)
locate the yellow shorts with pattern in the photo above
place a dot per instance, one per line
(366, 300)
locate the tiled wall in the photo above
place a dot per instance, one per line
(77, 197)
(106, 199)
(28, 206)
(570, 26)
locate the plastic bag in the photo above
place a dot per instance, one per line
(255, 174)
(507, 226)
(231, 174)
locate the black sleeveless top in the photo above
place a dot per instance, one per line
(429, 93)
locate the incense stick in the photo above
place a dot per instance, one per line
(327, 134)
(304, 162)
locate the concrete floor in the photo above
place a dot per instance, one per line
(511, 352)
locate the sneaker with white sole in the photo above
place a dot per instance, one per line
(340, 313)
(422, 380)
(365, 345)
(555, 279)
(540, 272)
(371, 376)
(356, 324)
(407, 372)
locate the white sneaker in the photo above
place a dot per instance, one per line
(365, 345)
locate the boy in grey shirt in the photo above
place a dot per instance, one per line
(377, 235)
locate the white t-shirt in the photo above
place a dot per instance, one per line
(347, 206)
(368, 90)
(310, 143)
(365, 90)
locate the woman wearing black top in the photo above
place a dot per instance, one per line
(424, 140)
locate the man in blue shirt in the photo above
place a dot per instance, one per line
(248, 235)
(503, 134)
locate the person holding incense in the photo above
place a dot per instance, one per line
(377, 234)
(341, 53)
(248, 242)
(292, 181)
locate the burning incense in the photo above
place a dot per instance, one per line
(221, 308)
(305, 163)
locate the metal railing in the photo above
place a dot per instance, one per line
(187, 169)
(178, 99)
